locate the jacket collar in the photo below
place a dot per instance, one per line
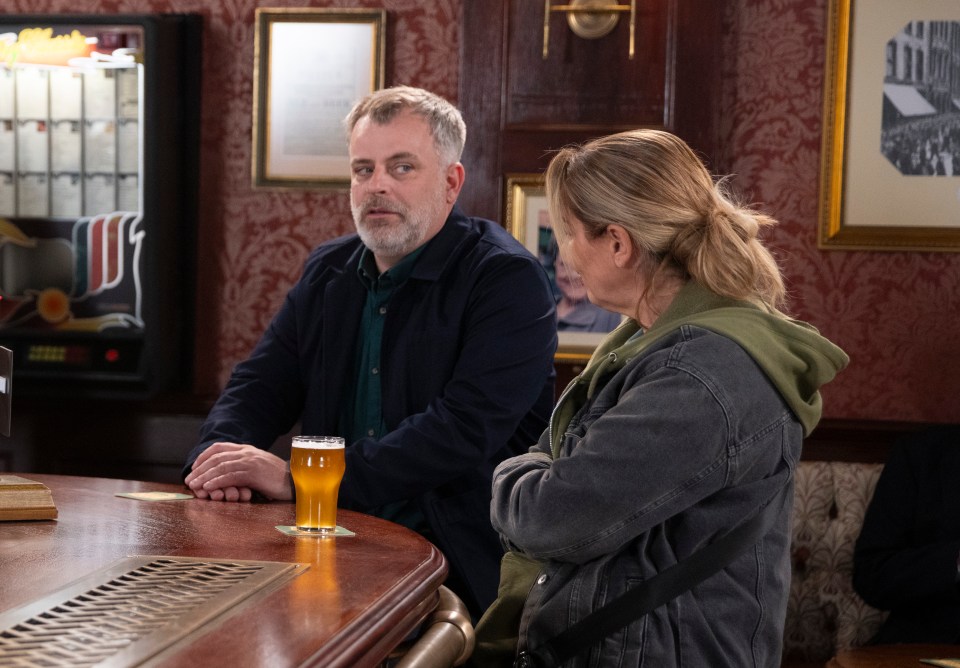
(439, 251)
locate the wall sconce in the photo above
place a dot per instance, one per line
(590, 19)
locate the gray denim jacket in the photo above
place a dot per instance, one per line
(678, 447)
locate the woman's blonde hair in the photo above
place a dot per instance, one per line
(652, 184)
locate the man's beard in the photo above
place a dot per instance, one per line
(397, 239)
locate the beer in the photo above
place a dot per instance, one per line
(317, 465)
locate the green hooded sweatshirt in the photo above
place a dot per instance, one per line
(793, 355)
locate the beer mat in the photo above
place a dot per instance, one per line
(155, 496)
(943, 663)
(293, 531)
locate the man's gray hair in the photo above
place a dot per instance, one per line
(446, 124)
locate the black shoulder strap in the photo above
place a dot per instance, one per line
(656, 591)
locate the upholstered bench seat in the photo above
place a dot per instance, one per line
(824, 614)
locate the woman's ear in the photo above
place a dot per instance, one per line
(621, 246)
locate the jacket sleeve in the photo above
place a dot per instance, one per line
(899, 558)
(692, 422)
(639, 463)
(501, 378)
(264, 396)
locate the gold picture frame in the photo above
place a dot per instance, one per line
(527, 219)
(869, 199)
(310, 66)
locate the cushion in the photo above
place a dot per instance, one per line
(824, 614)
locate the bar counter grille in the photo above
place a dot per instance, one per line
(129, 612)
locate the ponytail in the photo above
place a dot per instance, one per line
(652, 184)
(722, 252)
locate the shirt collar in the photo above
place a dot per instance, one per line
(371, 277)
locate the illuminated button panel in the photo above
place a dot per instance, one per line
(72, 355)
(120, 357)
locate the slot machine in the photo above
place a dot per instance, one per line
(99, 134)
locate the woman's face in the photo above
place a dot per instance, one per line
(593, 259)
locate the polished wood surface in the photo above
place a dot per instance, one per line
(892, 656)
(360, 596)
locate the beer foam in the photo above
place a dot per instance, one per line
(318, 442)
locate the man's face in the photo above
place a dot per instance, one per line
(400, 194)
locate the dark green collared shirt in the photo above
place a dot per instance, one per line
(364, 418)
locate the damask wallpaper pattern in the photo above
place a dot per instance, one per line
(898, 314)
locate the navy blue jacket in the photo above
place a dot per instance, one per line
(467, 377)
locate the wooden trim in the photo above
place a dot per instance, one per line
(849, 440)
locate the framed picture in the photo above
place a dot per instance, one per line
(890, 171)
(580, 324)
(309, 68)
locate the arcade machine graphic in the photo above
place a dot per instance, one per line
(98, 137)
(89, 282)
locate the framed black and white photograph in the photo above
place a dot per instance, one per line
(890, 171)
(310, 67)
(580, 324)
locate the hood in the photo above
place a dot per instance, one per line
(793, 354)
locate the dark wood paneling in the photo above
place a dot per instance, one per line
(585, 81)
(694, 101)
(146, 440)
(481, 78)
(520, 108)
(567, 371)
(856, 440)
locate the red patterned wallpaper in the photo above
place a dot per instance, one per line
(897, 314)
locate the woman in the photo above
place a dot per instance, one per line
(689, 417)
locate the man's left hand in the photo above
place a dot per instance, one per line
(233, 471)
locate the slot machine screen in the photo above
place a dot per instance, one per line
(96, 200)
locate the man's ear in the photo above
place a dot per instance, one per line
(455, 178)
(621, 246)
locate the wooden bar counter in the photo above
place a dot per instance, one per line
(351, 601)
(892, 656)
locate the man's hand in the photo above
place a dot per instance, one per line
(233, 471)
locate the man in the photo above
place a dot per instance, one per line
(907, 557)
(426, 340)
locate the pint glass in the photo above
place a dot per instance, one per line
(317, 465)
